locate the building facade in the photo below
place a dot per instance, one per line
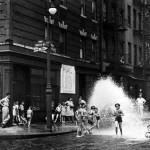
(125, 44)
(74, 31)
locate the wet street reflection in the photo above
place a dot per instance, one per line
(70, 142)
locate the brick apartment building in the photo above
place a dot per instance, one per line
(74, 31)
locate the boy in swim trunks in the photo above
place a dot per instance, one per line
(118, 113)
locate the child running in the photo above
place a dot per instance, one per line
(97, 117)
(118, 113)
(91, 119)
(79, 117)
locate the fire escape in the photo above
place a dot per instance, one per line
(118, 62)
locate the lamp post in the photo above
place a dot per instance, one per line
(42, 46)
(52, 10)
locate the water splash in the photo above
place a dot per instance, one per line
(105, 94)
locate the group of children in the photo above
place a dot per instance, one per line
(19, 114)
(64, 112)
(92, 118)
(83, 118)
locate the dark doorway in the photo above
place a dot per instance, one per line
(21, 83)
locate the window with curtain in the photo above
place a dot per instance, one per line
(83, 8)
(135, 55)
(94, 49)
(104, 11)
(94, 10)
(82, 47)
(129, 53)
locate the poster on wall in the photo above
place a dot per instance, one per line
(67, 80)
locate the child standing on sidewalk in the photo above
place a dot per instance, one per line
(14, 113)
(63, 112)
(29, 115)
(23, 120)
(17, 113)
(58, 113)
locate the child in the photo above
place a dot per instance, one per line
(63, 112)
(22, 115)
(17, 112)
(91, 118)
(118, 113)
(78, 115)
(14, 113)
(58, 112)
(29, 115)
(84, 118)
(97, 117)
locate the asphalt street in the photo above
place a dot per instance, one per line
(70, 142)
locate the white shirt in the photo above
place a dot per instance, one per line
(5, 102)
(141, 101)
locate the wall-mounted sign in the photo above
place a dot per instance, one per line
(68, 80)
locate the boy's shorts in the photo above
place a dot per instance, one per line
(119, 119)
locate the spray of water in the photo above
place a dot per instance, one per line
(105, 94)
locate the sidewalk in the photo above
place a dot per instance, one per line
(35, 131)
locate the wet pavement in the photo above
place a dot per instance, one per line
(36, 130)
(70, 142)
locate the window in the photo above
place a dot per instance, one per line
(104, 11)
(129, 53)
(134, 19)
(82, 47)
(83, 7)
(121, 17)
(104, 46)
(122, 53)
(63, 2)
(94, 10)
(135, 55)
(62, 41)
(139, 16)
(140, 56)
(50, 34)
(129, 15)
(113, 15)
(94, 49)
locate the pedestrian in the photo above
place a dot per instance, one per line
(140, 103)
(63, 112)
(91, 119)
(14, 113)
(17, 112)
(97, 117)
(79, 116)
(84, 119)
(81, 101)
(5, 110)
(118, 113)
(70, 111)
(23, 120)
(29, 115)
(58, 113)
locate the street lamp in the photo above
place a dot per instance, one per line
(42, 46)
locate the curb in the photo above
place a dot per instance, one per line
(31, 136)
